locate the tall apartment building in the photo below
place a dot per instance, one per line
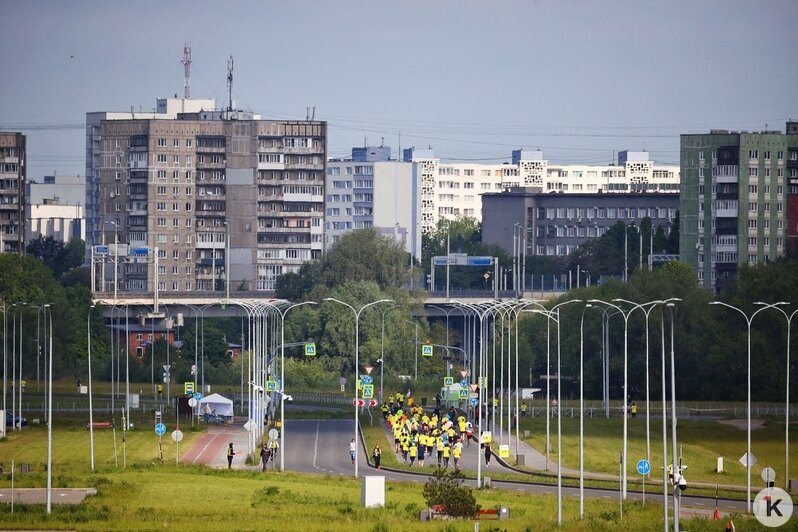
(735, 191)
(227, 199)
(13, 177)
(449, 190)
(371, 191)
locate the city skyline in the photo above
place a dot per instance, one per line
(580, 81)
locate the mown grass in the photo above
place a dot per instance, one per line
(149, 494)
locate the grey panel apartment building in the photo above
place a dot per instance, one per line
(556, 224)
(230, 201)
(735, 192)
(13, 178)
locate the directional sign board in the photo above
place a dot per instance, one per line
(373, 402)
(448, 381)
(480, 261)
(358, 402)
(160, 429)
(643, 467)
(310, 350)
(101, 250)
(748, 460)
(426, 350)
(368, 391)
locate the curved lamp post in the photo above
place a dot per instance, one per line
(91, 409)
(357, 357)
(748, 321)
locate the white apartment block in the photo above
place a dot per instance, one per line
(451, 190)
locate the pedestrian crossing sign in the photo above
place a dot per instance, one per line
(426, 350)
(448, 381)
(310, 349)
(463, 393)
(368, 391)
(271, 386)
(188, 388)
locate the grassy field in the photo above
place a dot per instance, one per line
(153, 494)
(700, 441)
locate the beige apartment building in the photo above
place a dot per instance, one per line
(206, 200)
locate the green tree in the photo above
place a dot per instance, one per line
(448, 490)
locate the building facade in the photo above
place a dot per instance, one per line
(371, 191)
(55, 208)
(736, 191)
(13, 179)
(557, 224)
(205, 200)
(449, 190)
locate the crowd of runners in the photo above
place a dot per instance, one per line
(435, 438)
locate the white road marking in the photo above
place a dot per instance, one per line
(316, 445)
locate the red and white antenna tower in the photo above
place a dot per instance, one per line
(186, 71)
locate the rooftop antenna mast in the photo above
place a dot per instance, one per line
(230, 83)
(186, 71)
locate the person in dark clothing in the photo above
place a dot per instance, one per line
(230, 454)
(377, 455)
(487, 454)
(265, 454)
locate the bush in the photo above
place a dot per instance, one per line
(447, 490)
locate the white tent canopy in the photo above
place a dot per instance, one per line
(221, 406)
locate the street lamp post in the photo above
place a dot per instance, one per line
(91, 409)
(49, 412)
(582, 413)
(748, 320)
(357, 358)
(787, 403)
(382, 349)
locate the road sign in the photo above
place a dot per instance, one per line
(249, 425)
(101, 250)
(473, 387)
(177, 435)
(160, 429)
(480, 261)
(426, 350)
(366, 379)
(193, 369)
(448, 381)
(274, 434)
(342, 381)
(271, 386)
(464, 383)
(166, 367)
(358, 402)
(768, 475)
(368, 391)
(643, 466)
(310, 350)
(474, 401)
(198, 396)
(463, 373)
(463, 393)
(373, 402)
(192, 402)
(188, 388)
(483, 381)
(748, 460)
(167, 380)
(504, 451)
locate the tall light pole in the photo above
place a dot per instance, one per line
(227, 260)
(5, 359)
(582, 413)
(624, 455)
(282, 314)
(677, 502)
(91, 409)
(554, 314)
(646, 308)
(382, 348)
(49, 412)
(786, 402)
(748, 321)
(357, 358)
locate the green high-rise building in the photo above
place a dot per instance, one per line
(735, 197)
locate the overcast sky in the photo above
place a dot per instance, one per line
(474, 80)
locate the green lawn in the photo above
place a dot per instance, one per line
(150, 494)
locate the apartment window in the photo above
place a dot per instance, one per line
(752, 189)
(175, 222)
(753, 154)
(700, 156)
(175, 239)
(752, 206)
(162, 143)
(753, 172)
(160, 206)
(780, 155)
(161, 222)
(767, 154)
(162, 158)
(751, 224)
(175, 206)
(162, 240)
(780, 189)
(161, 174)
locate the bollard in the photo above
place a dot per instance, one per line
(486, 482)
(519, 460)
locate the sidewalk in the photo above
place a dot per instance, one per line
(211, 447)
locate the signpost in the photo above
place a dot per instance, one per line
(160, 429)
(644, 468)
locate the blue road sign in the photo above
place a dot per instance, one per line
(464, 383)
(480, 261)
(160, 429)
(366, 379)
(474, 401)
(643, 466)
(198, 396)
